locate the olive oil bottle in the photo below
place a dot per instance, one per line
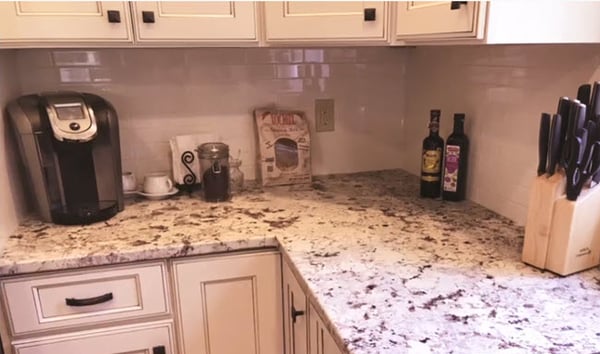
(432, 158)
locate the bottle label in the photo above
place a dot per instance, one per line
(430, 178)
(431, 161)
(451, 168)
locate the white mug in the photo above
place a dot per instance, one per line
(157, 183)
(129, 182)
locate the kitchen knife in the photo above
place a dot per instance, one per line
(594, 107)
(554, 144)
(564, 105)
(573, 166)
(570, 131)
(543, 143)
(592, 129)
(583, 94)
(580, 111)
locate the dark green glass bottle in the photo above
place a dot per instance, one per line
(432, 158)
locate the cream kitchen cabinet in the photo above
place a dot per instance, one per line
(152, 338)
(440, 19)
(229, 304)
(295, 314)
(192, 22)
(290, 22)
(304, 330)
(46, 23)
(495, 22)
(63, 312)
(321, 340)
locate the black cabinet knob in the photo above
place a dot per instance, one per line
(369, 14)
(455, 5)
(148, 16)
(296, 313)
(159, 350)
(114, 16)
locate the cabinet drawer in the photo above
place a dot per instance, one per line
(134, 339)
(76, 298)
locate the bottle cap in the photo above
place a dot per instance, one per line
(459, 116)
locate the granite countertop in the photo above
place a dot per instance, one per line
(392, 272)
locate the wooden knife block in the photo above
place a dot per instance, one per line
(562, 236)
(542, 197)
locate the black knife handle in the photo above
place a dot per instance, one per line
(594, 108)
(563, 110)
(543, 143)
(555, 143)
(572, 127)
(583, 94)
(573, 171)
(582, 134)
(581, 115)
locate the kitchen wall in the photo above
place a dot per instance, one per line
(502, 90)
(160, 93)
(383, 97)
(12, 201)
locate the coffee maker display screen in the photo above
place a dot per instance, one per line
(69, 111)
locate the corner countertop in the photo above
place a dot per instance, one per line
(392, 272)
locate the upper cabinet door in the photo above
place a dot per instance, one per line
(439, 19)
(88, 21)
(344, 21)
(195, 21)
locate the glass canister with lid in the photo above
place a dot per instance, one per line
(214, 167)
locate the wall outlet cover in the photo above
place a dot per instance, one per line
(324, 115)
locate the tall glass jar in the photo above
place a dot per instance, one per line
(236, 176)
(214, 167)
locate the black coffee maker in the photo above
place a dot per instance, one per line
(69, 143)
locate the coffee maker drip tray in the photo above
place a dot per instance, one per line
(85, 213)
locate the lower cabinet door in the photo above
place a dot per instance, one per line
(321, 341)
(295, 314)
(229, 304)
(153, 338)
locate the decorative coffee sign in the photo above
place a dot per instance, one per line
(283, 147)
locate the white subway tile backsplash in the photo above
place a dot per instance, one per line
(160, 93)
(503, 90)
(76, 57)
(274, 55)
(382, 101)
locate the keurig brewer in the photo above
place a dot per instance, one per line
(69, 143)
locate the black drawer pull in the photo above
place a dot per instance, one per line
(369, 14)
(296, 313)
(455, 5)
(89, 301)
(159, 350)
(148, 16)
(114, 16)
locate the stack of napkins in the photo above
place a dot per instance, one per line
(179, 145)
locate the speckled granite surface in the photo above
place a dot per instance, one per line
(394, 273)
